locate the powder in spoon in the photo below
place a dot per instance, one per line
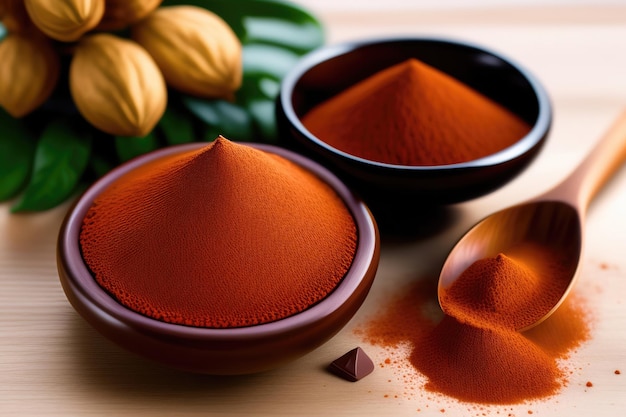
(508, 291)
(414, 114)
(223, 236)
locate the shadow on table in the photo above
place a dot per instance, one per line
(102, 363)
(109, 377)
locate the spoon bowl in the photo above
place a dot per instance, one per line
(551, 223)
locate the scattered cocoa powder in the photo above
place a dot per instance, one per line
(453, 358)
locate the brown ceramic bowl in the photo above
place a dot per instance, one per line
(390, 189)
(218, 351)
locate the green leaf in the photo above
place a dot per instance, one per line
(223, 8)
(298, 36)
(224, 118)
(17, 150)
(257, 88)
(176, 126)
(128, 147)
(211, 133)
(267, 61)
(273, 22)
(99, 165)
(60, 160)
(263, 114)
(281, 23)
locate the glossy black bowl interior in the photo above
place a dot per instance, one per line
(327, 71)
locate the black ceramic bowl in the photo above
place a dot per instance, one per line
(226, 350)
(327, 71)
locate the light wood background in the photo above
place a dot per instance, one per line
(53, 364)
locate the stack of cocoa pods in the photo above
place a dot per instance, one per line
(118, 83)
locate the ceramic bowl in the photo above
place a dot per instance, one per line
(327, 71)
(217, 351)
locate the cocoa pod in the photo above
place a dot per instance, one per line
(29, 71)
(65, 20)
(116, 85)
(14, 17)
(196, 50)
(119, 14)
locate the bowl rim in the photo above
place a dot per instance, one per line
(534, 137)
(91, 295)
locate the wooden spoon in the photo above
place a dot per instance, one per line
(553, 220)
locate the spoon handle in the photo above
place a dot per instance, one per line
(587, 179)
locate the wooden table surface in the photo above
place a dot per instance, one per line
(53, 364)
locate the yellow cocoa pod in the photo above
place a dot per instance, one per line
(119, 14)
(196, 50)
(29, 70)
(65, 20)
(116, 85)
(14, 17)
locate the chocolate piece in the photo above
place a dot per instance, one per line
(352, 366)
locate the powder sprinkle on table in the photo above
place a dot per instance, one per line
(483, 358)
